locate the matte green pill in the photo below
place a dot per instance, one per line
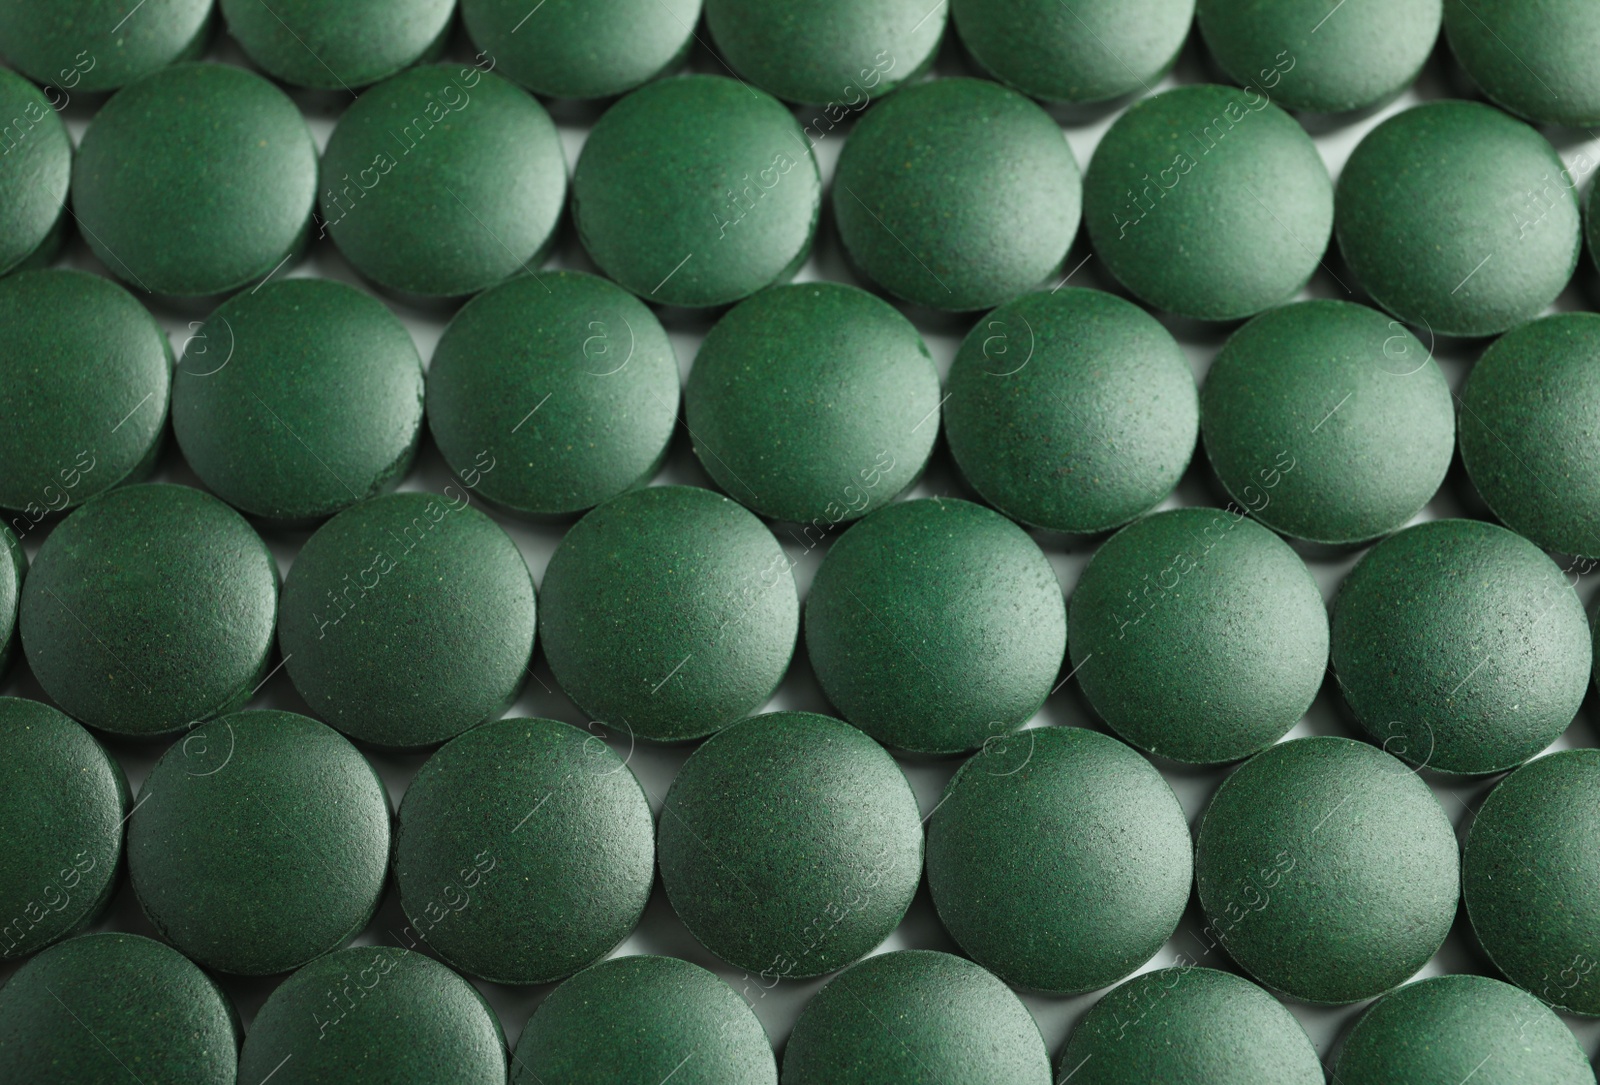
(93, 1007)
(1209, 202)
(62, 800)
(13, 568)
(1090, 52)
(215, 195)
(1327, 869)
(443, 180)
(91, 372)
(509, 832)
(669, 612)
(260, 841)
(551, 393)
(375, 1013)
(1460, 646)
(299, 399)
(582, 48)
(697, 192)
(150, 609)
(643, 1019)
(408, 618)
(35, 168)
(790, 844)
(337, 44)
(957, 194)
(1198, 635)
(1059, 859)
(934, 625)
(928, 1017)
(1459, 218)
(1189, 1026)
(1328, 421)
(88, 46)
(1530, 881)
(1534, 59)
(1073, 410)
(816, 403)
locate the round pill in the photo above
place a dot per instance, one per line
(231, 151)
(957, 194)
(1530, 883)
(13, 568)
(299, 399)
(1299, 54)
(1074, 410)
(407, 619)
(929, 1017)
(337, 45)
(816, 403)
(88, 46)
(1328, 421)
(92, 1007)
(935, 625)
(62, 800)
(466, 176)
(1459, 218)
(669, 611)
(553, 393)
(833, 52)
(643, 1019)
(697, 192)
(1251, 205)
(1059, 859)
(150, 609)
(1451, 1027)
(91, 371)
(1533, 60)
(35, 167)
(580, 48)
(1189, 1026)
(1460, 646)
(1527, 436)
(414, 1022)
(510, 831)
(1327, 870)
(790, 844)
(1090, 52)
(1198, 635)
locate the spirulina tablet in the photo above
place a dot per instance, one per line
(35, 168)
(13, 568)
(1533, 59)
(337, 44)
(88, 46)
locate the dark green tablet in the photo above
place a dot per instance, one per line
(13, 568)
(582, 48)
(35, 169)
(89, 46)
(337, 44)
(1533, 59)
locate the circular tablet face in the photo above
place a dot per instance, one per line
(35, 166)
(1531, 60)
(582, 48)
(149, 610)
(337, 44)
(1327, 869)
(13, 567)
(88, 46)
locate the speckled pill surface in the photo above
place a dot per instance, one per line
(1089, 52)
(337, 44)
(1347, 396)
(790, 844)
(814, 403)
(510, 831)
(1197, 634)
(669, 612)
(35, 169)
(62, 798)
(299, 399)
(1530, 880)
(375, 1013)
(88, 46)
(697, 191)
(13, 568)
(1460, 646)
(1450, 1028)
(1059, 859)
(150, 609)
(1458, 218)
(552, 393)
(1209, 202)
(408, 618)
(1533, 59)
(1073, 410)
(951, 1022)
(260, 841)
(214, 193)
(583, 49)
(957, 194)
(643, 1019)
(91, 370)
(91, 1008)
(1327, 870)
(1189, 1026)
(935, 625)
